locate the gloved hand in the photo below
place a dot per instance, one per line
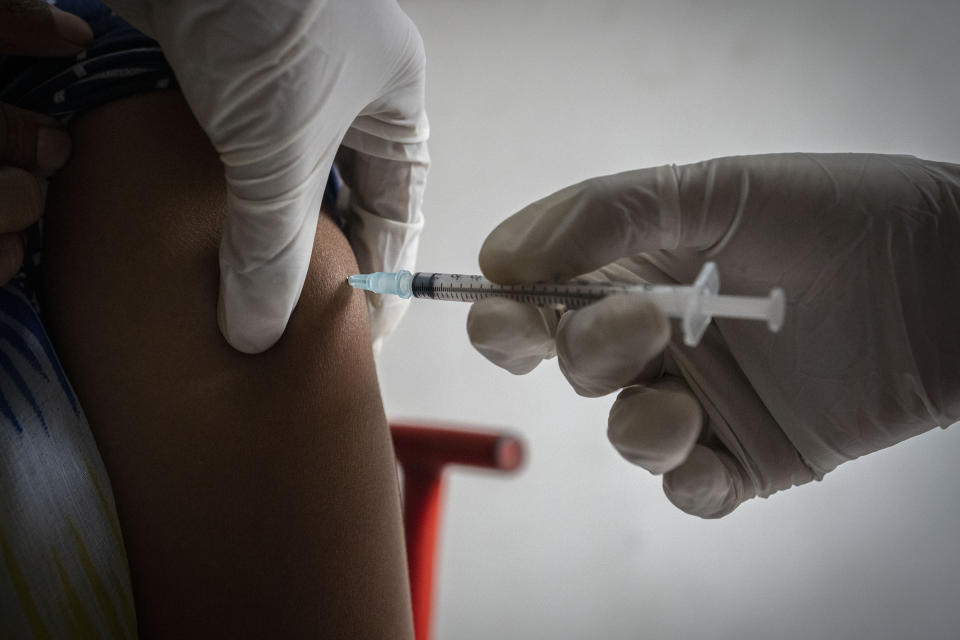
(31, 145)
(279, 87)
(867, 248)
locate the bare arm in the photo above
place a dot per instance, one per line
(256, 494)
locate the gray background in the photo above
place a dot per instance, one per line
(526, 97)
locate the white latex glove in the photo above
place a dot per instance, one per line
(279, 87)
(867, 248)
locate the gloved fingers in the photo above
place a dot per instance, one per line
(710, 483)
(395, 113)
(611, 344)
(34, 28)
(657, 425)
(381, 244)
(512, 335)
(388, 180)
(32, 141)
(593, 223)
(384, 317)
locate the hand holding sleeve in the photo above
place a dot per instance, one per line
(32, 146)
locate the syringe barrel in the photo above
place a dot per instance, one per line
(470, 288)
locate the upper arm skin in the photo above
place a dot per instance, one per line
(257, 493)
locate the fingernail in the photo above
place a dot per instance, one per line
(53, 149)
(71, 28)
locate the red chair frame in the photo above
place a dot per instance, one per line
(423, 452)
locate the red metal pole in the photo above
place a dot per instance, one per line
(422, 493)
(423, 452)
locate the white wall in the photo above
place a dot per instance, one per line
(526, 97)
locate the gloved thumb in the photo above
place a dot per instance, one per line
(35, 28)
(264, 257)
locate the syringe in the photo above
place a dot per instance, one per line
(695, 304)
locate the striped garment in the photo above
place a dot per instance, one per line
(63, 569)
